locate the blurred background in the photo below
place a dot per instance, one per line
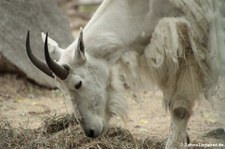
(78, 12)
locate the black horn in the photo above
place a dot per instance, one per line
(58, 70)
(38, 63)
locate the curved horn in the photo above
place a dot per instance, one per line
(58, 70)
(38, 63)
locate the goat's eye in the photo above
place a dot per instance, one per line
(78, 85)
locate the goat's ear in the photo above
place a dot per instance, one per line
(79, 55)
(53, 47)
(80, 45)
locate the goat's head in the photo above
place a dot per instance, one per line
(87, 80)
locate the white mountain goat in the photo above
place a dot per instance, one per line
(162, 41)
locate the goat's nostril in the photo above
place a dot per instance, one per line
(91, 133)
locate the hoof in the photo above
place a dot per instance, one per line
(187, 139)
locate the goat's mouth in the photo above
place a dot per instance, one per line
(93, 133)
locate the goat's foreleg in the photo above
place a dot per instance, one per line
(180, 110)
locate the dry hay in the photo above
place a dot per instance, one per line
(63, 132)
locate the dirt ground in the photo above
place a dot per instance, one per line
(25, 105)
